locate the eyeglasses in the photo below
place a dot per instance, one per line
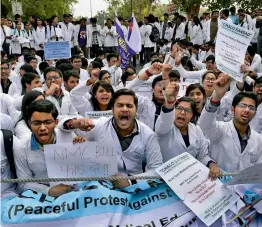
(186, 110)
(258, 86)
(39, 123)
(210, 79)
(53, 77)
(244, 106)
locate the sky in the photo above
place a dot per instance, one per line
(83, 7)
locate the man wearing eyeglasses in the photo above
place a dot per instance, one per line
(30, 159)
(233, 145)
(57, 95)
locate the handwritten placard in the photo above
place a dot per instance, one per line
(188, 178)
(80, 160)
(98, 114)
(57, 50)
(251, 175)
(182, 89)
(231, 45)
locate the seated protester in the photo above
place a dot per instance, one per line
(187, 64)
(135, 142)
(54, 93)
(7, 86)
(33, 53)
(8, 107)
(22, 127)
(31, 60)
(233, 145)
(71, 79)
(93, 65)
(256, 123)
(197, 54)
(176, 134)
(113, 67)
(30, 161)
(6, 122)
(126, 76)
(144, 69)
(77, 63)
(29, 81)
(13, 62)
(84, 63)
(17, 77)
(154, 56)
(7, 170)
(100, 100)
(104, 75)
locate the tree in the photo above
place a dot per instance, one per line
(101, 16)
(42, 8)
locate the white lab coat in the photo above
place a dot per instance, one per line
(7, 107)
(110, 41)
(225, 145)
(148, 42)
(169, 34)
(16, 79)
(248, 19)
(172, 143)
(31, 163)
(13, 90)
(30, 37)
(142, 34)
(51, 31)
(40, 37)
(180, 31)
(68, 33)
(143, 148)
(196, 35)
(205, 26)
(22, 132)
(88, 35)
(17, 41)
(100, 32)
(243, 25)
(255, 30)
(84, 75)
(6, 122)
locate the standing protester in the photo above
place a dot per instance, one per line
(212, 26)
(259, 26)
(53, 31)
(110, 34)
(96, 31)
(68, 32)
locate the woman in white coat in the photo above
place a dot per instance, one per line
(17, 40)
(176, 134)
(29, 36)
(40, 37)
(196, 32)
(169, 32)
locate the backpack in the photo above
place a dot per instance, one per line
(155, 34)
(8, 143)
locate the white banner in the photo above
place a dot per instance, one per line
(231, 45)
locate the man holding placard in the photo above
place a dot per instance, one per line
(136, 143)
(30, 160)
(233, 145)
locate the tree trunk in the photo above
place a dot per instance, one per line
(193, 10)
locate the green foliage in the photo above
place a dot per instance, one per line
(42, 8)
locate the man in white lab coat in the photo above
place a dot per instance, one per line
(233, 145)
(136, 144)
(68, 32)
(77, 63)
(110, 34)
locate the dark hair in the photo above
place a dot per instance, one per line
(151, 18)
(215, 11)
(99, 52)
(102, 73)
(4, 62)
(156, 80)
(93, 20)
(124, 76)
(170, 24)
(93, 99)
(75, 57)
(42, 106)
(111, 55)
(258, 81)
(96, 64)
(197, 22)
(251, 51)
(26, 101)
(192, 87)
(28, 78)
(17, 16)
(192, 105)
(84, 62)
(226, 12)
(207, 72)
(65, 67)
(165, 14)
(196, 46)
(61, 61)
(244, 94)
(27, 68)
(67, 74)
(174, 74)
(43, 65)
(53, 17)
(26, 22)
(211, 57)
(232, 9)
(11, 57)
(126, 92)
(3, 54)
(156, 60)
(52, 69)
(185, 62)
(241, 11)
(30, 58)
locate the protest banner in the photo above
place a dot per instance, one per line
(231, 45)
(182, 89)
(146, 204)
(57, 50)
(98, 114)
(188, 178)
(251, 175)
(145, 89)
(80, 160)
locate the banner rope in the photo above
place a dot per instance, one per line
(112, 178)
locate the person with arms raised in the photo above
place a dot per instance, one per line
(233, 145)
